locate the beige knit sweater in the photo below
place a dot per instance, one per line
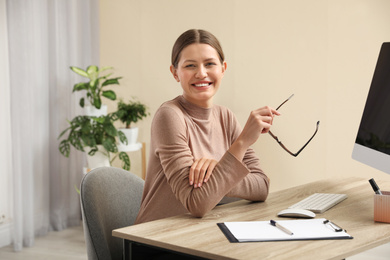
(182, 132)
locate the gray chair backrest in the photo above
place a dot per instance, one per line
(110, 199)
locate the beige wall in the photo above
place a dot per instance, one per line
(322, 51)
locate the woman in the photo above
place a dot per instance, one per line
(199, 154)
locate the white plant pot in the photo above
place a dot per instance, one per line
(131, 134)
(99, 159)
(93, 111)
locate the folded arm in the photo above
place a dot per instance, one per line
(230, 175)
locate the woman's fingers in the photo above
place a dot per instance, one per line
(259, 122)
(196, 172)
(263, 118)
(210, 169)
(201, 171)
(191, 176)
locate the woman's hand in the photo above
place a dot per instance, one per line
(259, 122)
(201, 171)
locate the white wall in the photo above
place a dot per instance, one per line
(322, 51)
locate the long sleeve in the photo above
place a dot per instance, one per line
(182, 132)
(255, 186)
(176, 159)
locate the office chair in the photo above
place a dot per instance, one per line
(110, 199)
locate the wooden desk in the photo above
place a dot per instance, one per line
(202, 237)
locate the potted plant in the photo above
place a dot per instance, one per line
(96, 136)
(128, 113)
(95, 88)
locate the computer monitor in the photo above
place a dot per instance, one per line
(372, 145)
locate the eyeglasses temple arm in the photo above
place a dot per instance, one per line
(300, 150)
(284, 102)
(282, 145)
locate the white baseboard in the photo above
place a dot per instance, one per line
(5, 234)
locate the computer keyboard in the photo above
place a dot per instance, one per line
(319, 202)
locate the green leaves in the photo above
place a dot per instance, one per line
(97, 102)
(89, 131)
(82, 102)
(94, 87)
(64, 148)
(111, 82)
(131, 112)
(109, 94)
(124, 157)
(93, 131)
(122, 137)
(80, 86)
(109, 144)
(79, 71)
(92, 70)
(110, 129)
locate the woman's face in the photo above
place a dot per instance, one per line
(199, 72)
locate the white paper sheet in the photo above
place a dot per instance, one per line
(307, 229)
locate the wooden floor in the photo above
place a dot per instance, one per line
(58, 245)
(70, 244)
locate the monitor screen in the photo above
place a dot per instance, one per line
(372, 145)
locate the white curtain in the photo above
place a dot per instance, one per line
(45, 37)
(5, 131)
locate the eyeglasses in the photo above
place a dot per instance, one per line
(282, 145)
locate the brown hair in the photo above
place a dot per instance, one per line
(195, 36)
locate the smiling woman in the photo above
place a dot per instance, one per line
(198, 63)
(199, 154)
(199, 72)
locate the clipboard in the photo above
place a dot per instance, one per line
(263, 231)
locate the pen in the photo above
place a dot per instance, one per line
(375, 186)
(275, 224)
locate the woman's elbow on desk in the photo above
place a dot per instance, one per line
(197, 211)
(198, 204)
(198, 214)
